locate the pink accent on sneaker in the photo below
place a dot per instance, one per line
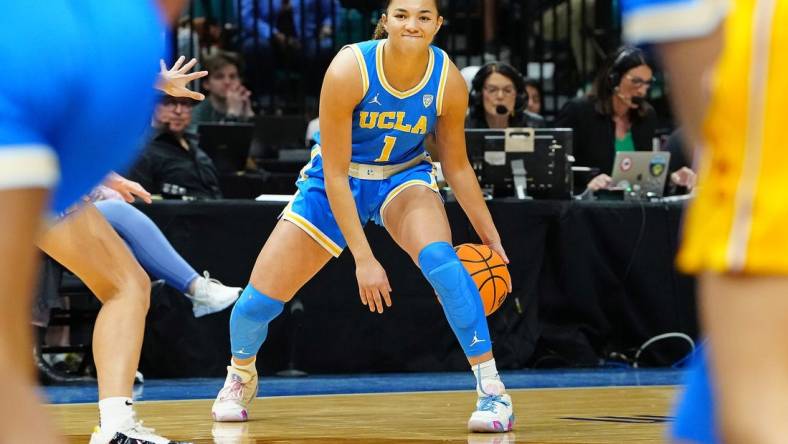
(234, 391)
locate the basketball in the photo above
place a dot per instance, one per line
(489, 271)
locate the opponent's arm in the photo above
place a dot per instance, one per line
(342, 90)
(175, 81)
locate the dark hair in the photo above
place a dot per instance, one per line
(533, 83)
(221, 59)
(608, 78)
(380, 31)
(475, 102)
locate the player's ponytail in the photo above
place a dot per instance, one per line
(380, 31)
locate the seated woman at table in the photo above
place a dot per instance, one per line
(499, 99)
(615, 117)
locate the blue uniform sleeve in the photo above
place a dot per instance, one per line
(658, 21)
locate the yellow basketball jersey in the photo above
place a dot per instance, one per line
(739, 220)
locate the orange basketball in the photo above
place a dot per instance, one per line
(489, 272)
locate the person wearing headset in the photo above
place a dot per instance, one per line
(498, 99)
(615, 117)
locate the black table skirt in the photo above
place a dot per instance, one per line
(590, 279)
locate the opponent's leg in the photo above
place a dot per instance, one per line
(287, 261)
(88, 246)
(429, 246)
(22, 419)
(157, 256)
(746, 319)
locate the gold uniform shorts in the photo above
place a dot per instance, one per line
(739, 221)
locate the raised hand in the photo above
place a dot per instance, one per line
(174, 81)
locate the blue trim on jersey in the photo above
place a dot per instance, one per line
(390, 126)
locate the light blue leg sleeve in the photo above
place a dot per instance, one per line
(149, 246)
(249, 321)
(459, 297)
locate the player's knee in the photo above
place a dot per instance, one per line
(257, 306)
(448, 277)
(131, 285)
(137, 282)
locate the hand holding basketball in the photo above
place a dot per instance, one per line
(488, 270)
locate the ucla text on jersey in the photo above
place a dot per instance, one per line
(389, 126)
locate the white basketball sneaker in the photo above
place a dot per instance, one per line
(494, 411)
(233, 400)
(131, 431)
(211, 296)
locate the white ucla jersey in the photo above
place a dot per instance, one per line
(389, 126)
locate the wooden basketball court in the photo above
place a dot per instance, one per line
(571, 415)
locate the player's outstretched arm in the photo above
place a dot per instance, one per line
(175, 81)
(450, 143)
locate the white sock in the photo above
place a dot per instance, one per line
(483, 372)
(114, 411)
(247, 370)
(193, 286)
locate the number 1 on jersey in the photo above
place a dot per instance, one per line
(388, 147)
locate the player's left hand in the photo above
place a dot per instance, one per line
(498, 248)
(174, 81)
(127, 188)
(684, 177)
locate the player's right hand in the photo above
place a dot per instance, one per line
(373, 285)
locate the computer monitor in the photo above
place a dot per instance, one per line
(641, 173)
(547, 162)
(274, 133)
(227, 144)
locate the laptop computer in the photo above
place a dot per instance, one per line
(641, 172)
(227, 144)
